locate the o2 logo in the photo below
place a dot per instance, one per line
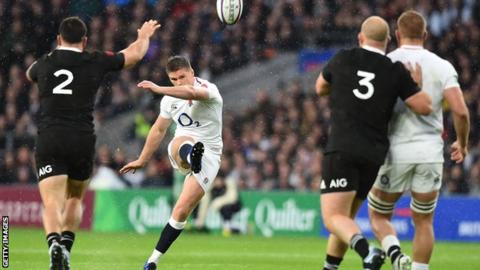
(185, 121)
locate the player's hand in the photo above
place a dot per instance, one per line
(147, 85)
(458, 152)
(132, 166)
(147, 29)
(416, 72)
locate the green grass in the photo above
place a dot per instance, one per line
(122, 251)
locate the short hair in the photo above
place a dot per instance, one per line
(411, 24)
(72, 29)
(177, 62)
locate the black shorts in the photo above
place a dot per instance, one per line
(345, 172)
(64, 151)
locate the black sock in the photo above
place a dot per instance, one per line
(332, 263)
(67, 239)
(185, 151)
(360, 244)
(53, 237)
(168, 236)
(393, 252)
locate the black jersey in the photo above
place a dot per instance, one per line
(364, 88)
(68, 82)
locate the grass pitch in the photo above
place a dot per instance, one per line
(128, 251)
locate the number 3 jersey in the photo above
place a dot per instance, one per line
(364, 86)
(199, 119)
(68, 80)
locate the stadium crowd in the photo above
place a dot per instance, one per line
(275, 144)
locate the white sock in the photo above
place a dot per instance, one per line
(419, 266)
(155, 256)
(389, 241)
(176, 224)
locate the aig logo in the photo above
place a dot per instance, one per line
(44, 170)
(338, 183)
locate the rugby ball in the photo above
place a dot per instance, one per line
(229, 11)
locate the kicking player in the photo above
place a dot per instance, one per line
(195, 105)
(68, 79)
(415, 159)
(363, 85)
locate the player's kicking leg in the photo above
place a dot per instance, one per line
(191, 194)
(185, 155)
(380, 209)
(52, 190)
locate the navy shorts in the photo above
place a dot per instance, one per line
(63, 151)
(345, 172)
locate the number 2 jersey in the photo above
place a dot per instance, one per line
(68, 80)
(199, 119)
(364, 86)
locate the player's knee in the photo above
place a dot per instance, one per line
(380, 206)
(423, 208)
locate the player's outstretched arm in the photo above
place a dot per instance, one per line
(461, 122)
(184, 91)
(154, 138)
(137, 50)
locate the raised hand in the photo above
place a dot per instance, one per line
(148, 28)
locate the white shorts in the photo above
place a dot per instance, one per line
(210, 167)
(418, 177)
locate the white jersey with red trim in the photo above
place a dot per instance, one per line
(415, 138)
(199, 119)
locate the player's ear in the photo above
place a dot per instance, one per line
(398, 36)
(84, 42)
(361, 38)
(425, 35)
(59, 40)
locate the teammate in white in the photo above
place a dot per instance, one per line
(195, 105)
(415, 159)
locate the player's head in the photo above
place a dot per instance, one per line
(180, 71)
(411, 26)
(375, 32)
(72, 31)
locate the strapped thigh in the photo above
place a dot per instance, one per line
(379, 205)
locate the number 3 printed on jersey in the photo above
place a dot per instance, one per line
(367, 77)
(59, 90)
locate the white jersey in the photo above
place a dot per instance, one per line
(415, 138)
(199, 119)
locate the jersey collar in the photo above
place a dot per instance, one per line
(412, 47)
(372, 49)
(68, 49)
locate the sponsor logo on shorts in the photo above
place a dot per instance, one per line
(338, 183)
(45, 170)
(322, 184)
(205, 181)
